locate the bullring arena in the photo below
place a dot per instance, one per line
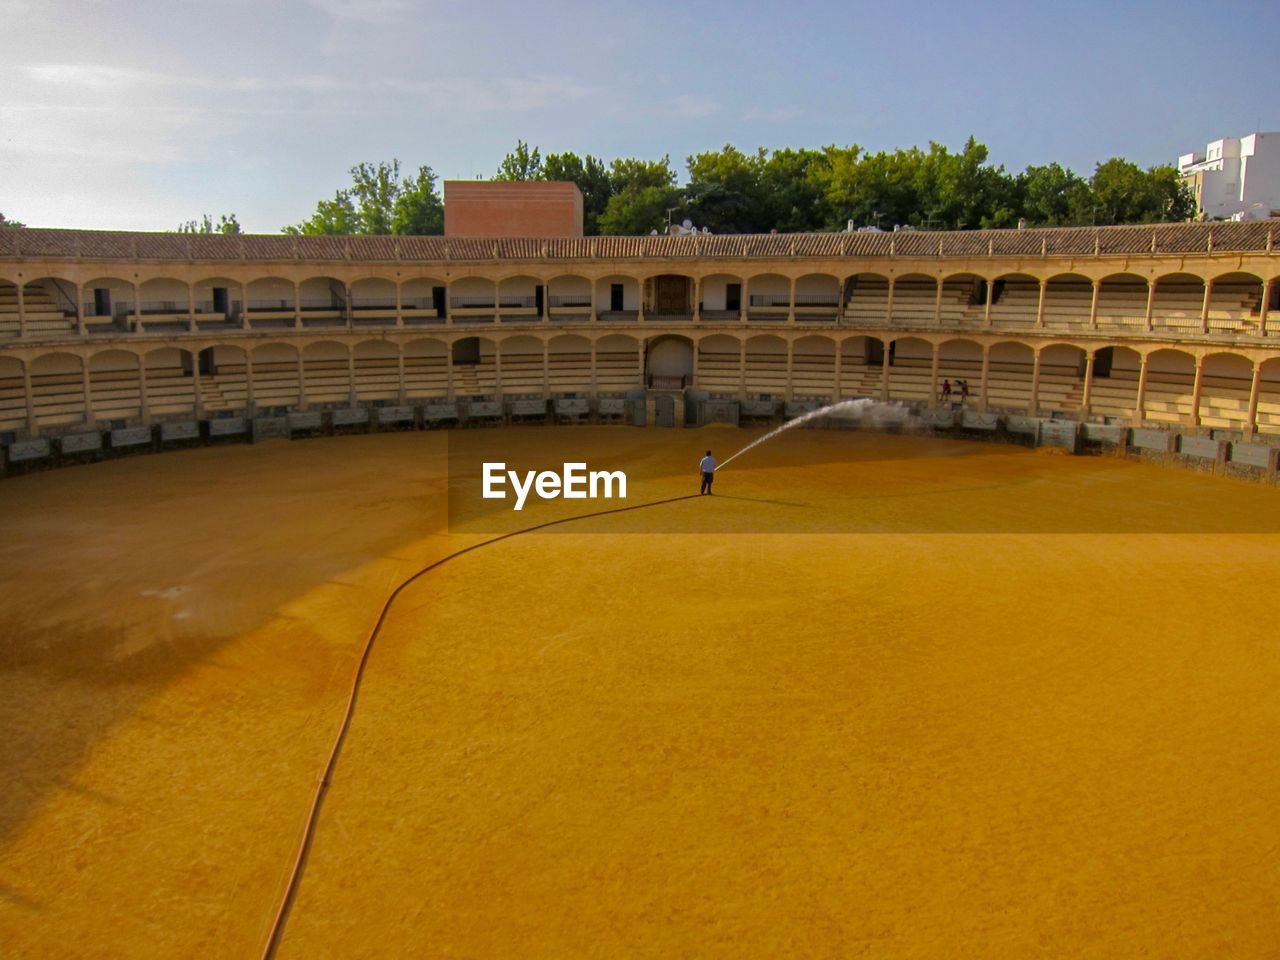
(906, 689)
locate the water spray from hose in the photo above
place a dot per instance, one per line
(843, 405)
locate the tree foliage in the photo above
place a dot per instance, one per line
(4, 222)
(379, 202)
(227, 225)
(789, 190)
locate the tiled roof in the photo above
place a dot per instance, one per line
(1250, 237)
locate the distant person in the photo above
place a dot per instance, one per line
(708, 468)
(964, 389)
(946, 390)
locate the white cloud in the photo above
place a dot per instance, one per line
(364, 11)
(691, 106)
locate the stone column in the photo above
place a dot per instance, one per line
(884, 371)
(348, 307)
(546, 366)
(80, 331)
(640, 303)
(1251, 418)
(933, 375)
(640, 360)
(144, 404)
(791, 352)
(448, 372)
(191, 308)
(985, 379)
(1266, 303)
(991, 295)
(888, 310)
(791, 303)
(1140, 404)
(401, 391)
(22, 310)
(595, 387)
(448, 304)
(399, 306)
(1151, 302)
(302, 381)
(837, 386)
(1088, 383)
(297, 309)
(86, 386)
(29, 393)
(137, 308)
(197, 397)
(693, 377)
(1044, 286)
(742, 371)
(937, 305)
(745, 305)
(1093, 305)
(1204, 306)
(1033, 409)
(244, 307)
(595, 303)
(351, 377)
(697, 304)
(497, 369)
(1193, 417)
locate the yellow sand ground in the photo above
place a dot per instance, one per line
(973, 723)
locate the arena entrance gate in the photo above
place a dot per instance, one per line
(664, 410)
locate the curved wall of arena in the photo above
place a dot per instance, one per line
(1174, 325)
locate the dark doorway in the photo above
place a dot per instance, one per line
(664, 410)
(1102, 361)
(221, 304)
(206, 362)
(437, 302)
(539, 298)
(733, 297)
(670, 295)
(615, 296)
(101, 302)
(874, 352)
(466, 351)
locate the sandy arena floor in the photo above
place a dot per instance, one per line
(1018, 705)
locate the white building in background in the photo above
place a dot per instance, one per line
(1236, 178)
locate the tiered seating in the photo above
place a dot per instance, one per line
(57, 391)
(170, 389)
(13, 396)
(44, 318)
(914, 301)
(1116, 395)
(719, 371)
(569, 371)
(275, 382)
(426, 374)
(1177, 305)
(617, 369)
(766, 372)
(813, 374)
(327, 380)
(1068, 302)
(856, 377)
(867, 301)
(225, 389)
(522, 372)
(377, 377)
(1235, 306)
(1019, 300)
(115, 387)
(910, 379)
(1122, 302)
(957, 305)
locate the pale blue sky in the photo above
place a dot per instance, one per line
(136, 115)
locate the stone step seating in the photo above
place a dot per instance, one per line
(617, 370)
(275, 384)
(170, 390)
(377, 378)
(426, 376)
(522, 372)
(326, 381)
(115, 394)
(58, 398)
(43, 316)
(569, 372)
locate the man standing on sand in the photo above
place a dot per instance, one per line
(708, 468)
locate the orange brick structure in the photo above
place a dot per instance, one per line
(481, 208)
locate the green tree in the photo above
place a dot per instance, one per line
(1053, 196)
(643, 192)
(592, 177)
(378, 203)
(793, 199)
(1125, 193)
(227, 225)
(724, 192)
(9, 223)
(520, 164)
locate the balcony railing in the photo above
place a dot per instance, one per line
(572, 301)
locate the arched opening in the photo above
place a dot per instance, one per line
(423, 301)
(1170, 376)
(960, 363)
(373, 302)
(719, 364)
(766, 366)
(165, 303)
(911, 375)
(914, 300)
(58, 390)
(1177, 303)
(768, 297)
(813, 368)
(170, 383)
(963, 300)
(218, 302)
(1269, 397)
(721, 299)
(817, 298)
(323, 302)
(1015, 300)
(1061, 377)
(1122, 301)
(617, 298)
(521, 299)
(271, 302)
(1235, 303)
(1114, 392)
(114, 386)
(1009, 374)
(1068, 300)
(326, 373)
(669, 363)
(860, 362)
(866, 299)
(618, 364)
(377, 367)
(224, 386)
(669, 296)
(1224, 390)
(13, 397)
(569, 364)
(569, 299)
(275, 376)
(426, 368)
(523, 371)
(48, 308)
(108, 304)
(473, 300)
